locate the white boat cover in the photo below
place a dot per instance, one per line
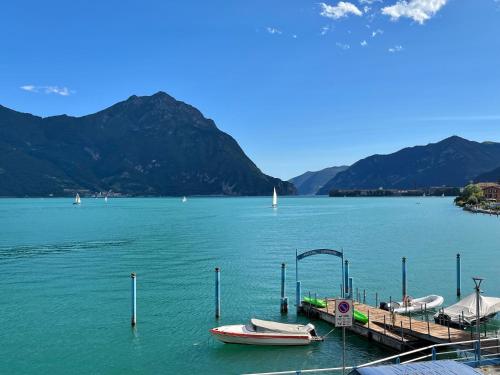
(488, 306)
(281, 327)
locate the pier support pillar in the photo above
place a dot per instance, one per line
(404, 285)
(133, 319)
(298, 296)
(217, 292)
(284, 300)
(346, 276)
(459, 276)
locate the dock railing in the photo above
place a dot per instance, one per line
(488, 353)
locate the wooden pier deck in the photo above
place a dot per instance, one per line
(399, 332)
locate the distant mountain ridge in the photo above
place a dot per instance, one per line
(490, 176)
(310, 182)
(454, 161)
(146, 145)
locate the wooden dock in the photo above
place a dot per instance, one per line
(399, 332)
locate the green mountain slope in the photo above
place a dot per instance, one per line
(149, 145)
(453, 161)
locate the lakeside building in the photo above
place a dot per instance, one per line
(490, 190)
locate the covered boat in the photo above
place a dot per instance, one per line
(463, 313)
(263, 332)
(414, 304)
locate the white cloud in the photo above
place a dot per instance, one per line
(370, 1)
(366, 9)
(30, 88)
(294, 36)
(343, 46)
(377, 32)
(364, 43)
(63, 91)
(273, 30)
(342, 9)
(396, 48)
(324, 30)
(418, 10)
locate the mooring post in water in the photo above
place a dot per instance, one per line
(284, 300)
(350, 289)
(404, 281)
(133, 320)
(217, 292)
(346, 277)
(298, 297)
(459, 276)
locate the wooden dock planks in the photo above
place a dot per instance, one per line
(398, 332)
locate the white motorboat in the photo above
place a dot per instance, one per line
(263, 332)
(275, 198)
(464, 312)
(415, 304)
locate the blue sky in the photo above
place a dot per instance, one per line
(301, 85)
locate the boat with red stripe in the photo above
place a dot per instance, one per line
(263, 332)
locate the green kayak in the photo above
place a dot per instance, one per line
(315, 302)
(360, 317)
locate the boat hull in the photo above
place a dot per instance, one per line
(230, 335)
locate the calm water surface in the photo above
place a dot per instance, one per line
(66, 276)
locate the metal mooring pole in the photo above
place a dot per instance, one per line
(133, 320)
(217, 292)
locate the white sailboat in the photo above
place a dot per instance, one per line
(106, 199)
(275, 198)
(184, 199)
(77, 199)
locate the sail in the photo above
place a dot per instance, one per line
(275, 198)
(77, 198)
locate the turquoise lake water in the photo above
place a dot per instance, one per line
(66, 276)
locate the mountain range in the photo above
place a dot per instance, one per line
(454, 161)
(143, 146)
(491, 176)
(309, 183)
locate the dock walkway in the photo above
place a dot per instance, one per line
(398, 332)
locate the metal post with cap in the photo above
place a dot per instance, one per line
(346, 277)
(404, 281)
(217, 292)
(284, 300)
(459, 276)
(133, 319)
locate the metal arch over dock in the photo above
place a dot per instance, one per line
(320, 251)
(396, 331)
(308, 253)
